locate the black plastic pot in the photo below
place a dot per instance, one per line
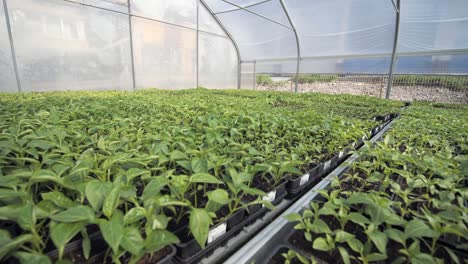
(191, 247)
(168, 259)
(74, 248)
(236, 218)
(280, 191)
(294, 186)
(191, 252)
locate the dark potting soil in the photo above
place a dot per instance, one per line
(156, 256)
(279, 259)
(265, 183)
(298, 240)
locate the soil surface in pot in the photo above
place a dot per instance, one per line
(279, 259)
(156, 256)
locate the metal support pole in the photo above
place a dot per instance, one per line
(239, 68)
(297, 44)
(12, 46)
(254, 76)
(197, 46)
(131, 45)
(395, 44)
(231, 38)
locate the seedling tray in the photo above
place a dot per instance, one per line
(196, 253)
(258, 249)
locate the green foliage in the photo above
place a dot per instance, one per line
(406, 193)
(137, 163)
(264, 80)
(314, 78)
(451, 82)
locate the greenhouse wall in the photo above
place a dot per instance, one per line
(112, 45)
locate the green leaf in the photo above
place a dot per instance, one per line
(396, 235)
(158, 239)
(160, 221)
(59, 199)
(96, 191)
(8, 245)
(154, 187)
(377, 213)
(204, 178)
(132, 240)
(293, 217)
(112, 230)
(199, 165)
(41, 144)
(178, 155)
(62, 233)
(135, 172)
(376, 257)
(355, 245)
(43, 176)
(252, 191)
(26, 258)
(134, 215)
(358, 198)
(111, 201)
(321, 243)
(75, 214)
(319, 226)
(86, 244)
(417, 228)
(422, 258)
(199, 225)
(344, 255)
(380, 241)
(343, 236)
(7, 195)
(219, 196)
(452, 255)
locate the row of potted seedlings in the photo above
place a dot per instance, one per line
(114, 177)
(404, 201)
(289, 187)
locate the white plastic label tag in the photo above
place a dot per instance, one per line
(340, 154)
(269, 197)
(326, 166)
(216, 232)
(304, 179)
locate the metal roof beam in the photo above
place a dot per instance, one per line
(247, 6)
(254, 13)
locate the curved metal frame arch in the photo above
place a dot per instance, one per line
(231, 38)
(297, 43)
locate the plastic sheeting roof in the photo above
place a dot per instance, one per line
(342, 28)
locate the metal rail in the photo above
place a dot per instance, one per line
(142, 17)
(12, 46)
(366, 56)
(254, 13)
(297, 44)
(131, 46)
(395, 46)
(231, 38)
(246, 6)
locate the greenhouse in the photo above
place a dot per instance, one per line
(233, 131)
